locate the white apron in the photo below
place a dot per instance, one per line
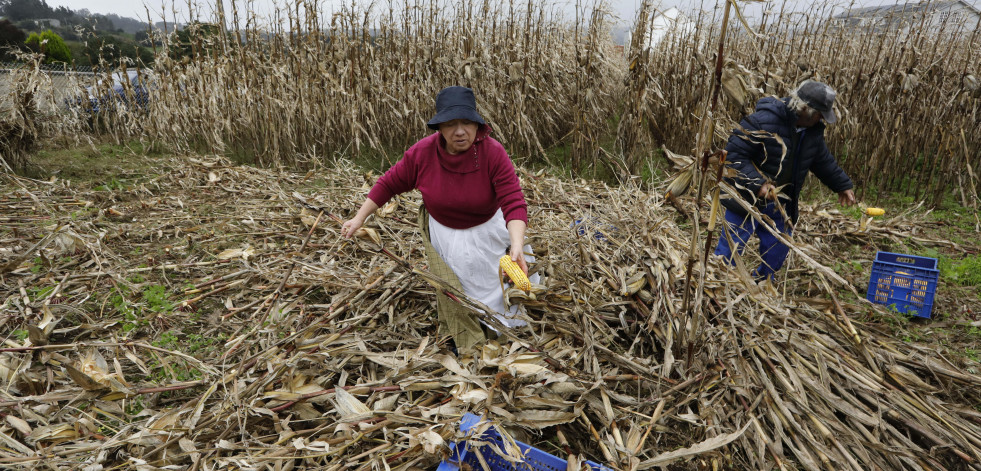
(473, 255)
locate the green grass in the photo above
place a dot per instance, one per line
(157, 299)
(36, 292)
(973, 353)
(154, 301)
(193, 344)
(964, 271)
(37, 264)
(108, 166)
(112, 185)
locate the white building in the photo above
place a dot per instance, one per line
(666, 24)
(48, 22)
(949, 15)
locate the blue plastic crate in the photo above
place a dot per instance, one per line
(906, 281)
(534, 459)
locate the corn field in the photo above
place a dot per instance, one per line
(210, 316)
(347, 85)
(361, 82)
(909, 101)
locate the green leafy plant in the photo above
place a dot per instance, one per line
(36, 292)
(130, 318)
(111, 185)
(157, 299)
(168, 340)
(964, 272)
(37, 264)
(973, 354)
(51, 45)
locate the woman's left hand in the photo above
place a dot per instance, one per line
(518, 256)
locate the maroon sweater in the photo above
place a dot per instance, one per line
(460, 191)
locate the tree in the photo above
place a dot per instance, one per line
(51, 45)
(11, 37)
(11, 34)
(192, 36)
(25, 9)
(112, 49)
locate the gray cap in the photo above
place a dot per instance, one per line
(819, 96)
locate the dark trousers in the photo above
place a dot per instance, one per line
(772, 250)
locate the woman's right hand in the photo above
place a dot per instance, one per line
(351, 226)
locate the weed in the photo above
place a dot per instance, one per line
(130, 318)
(196, 345)
(973, 354)
(853, 212)
(177, 371)
(37, 264)
(20, 334)
(112, 185)
(35, 292)
(157, 299)
(134, 405)
(890, 317)
(964, 272)
(168, 340)
(83, 213)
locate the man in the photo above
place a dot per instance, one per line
(772, 152)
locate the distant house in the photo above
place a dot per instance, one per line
(932, 15)
(48, 22)
(670, 22)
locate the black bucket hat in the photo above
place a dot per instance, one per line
(819, 96)
(455, 103)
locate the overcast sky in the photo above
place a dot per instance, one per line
(625, 9)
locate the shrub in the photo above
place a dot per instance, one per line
(51, 45)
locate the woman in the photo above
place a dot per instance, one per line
(473, 209)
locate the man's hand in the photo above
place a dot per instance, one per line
(846, 198)
(767, 192)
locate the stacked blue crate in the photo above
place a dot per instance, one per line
(907, 282)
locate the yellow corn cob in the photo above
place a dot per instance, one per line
(514, 272)
(875, 211)
(681, 183)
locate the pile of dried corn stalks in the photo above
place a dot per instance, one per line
(323, 352)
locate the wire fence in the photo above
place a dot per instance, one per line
(65, 80)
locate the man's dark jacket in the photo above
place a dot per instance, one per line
(761, 152)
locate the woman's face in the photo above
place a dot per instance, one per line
(459, 134)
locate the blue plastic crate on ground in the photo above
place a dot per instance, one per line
(906, 281)
(534, 459)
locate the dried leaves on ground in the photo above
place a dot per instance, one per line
(210, 317)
